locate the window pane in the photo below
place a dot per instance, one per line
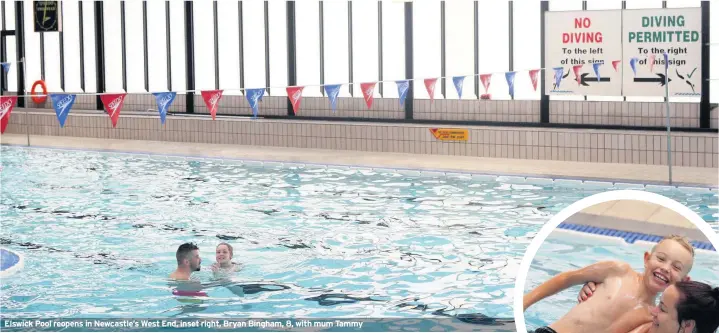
(393, 46)
(135, 47)
(88, 23)
(336, 47)
(204, 45)
(308, 45)
(494, 46)
(459, 22)
(278, 46)
(229, 47)
(71, 37)
(156, 46)
(427, 46)
(364, 55)
(177, 48)
(254, 28)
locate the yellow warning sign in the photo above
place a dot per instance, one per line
(450, 134)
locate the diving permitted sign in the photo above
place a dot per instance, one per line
(581, 47)
(647, 35)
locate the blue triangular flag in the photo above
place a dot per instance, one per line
(596, 70)
(6, 66)
(62, 103)
(254, 95)
(558, 73)
(402, 88)
(164, 100)
(633, 63)
(666, 62)
(458, 82)
(510, 82)
(332, 92)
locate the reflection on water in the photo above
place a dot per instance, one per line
(100, 231)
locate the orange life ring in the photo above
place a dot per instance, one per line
(39, 99)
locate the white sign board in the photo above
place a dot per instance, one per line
(648, 33)
(583, 51)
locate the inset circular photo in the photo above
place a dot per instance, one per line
(623, 261)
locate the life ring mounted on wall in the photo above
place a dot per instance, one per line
(39, 99)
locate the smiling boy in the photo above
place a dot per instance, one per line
(623, 299)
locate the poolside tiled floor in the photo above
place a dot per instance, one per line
(541, 168)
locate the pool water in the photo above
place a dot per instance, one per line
(564, 251)
(99, 233)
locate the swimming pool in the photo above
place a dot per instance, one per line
(564, 251)
(99, 231)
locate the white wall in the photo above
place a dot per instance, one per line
(493, 49)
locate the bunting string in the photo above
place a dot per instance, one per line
(303, 85)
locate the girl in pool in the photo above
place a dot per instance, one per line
(224, 264)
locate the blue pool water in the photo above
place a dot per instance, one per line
(99, 232)
(562, 252)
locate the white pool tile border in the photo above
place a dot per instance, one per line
(510, 179)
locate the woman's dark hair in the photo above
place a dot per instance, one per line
(698, 302)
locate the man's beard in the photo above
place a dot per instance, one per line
(197, 269)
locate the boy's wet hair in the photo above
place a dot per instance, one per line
(184, 251)
(228, 247)
(683, 241)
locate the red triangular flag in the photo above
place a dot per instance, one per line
(368, 92)
(651, 62)
(615, 63)
(6, 105)
(576, 72)
(113, 105)
(486, 80)
(533, 76)
(295, 96)
(429, 84)
(212, 100)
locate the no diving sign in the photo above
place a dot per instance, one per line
(588, 53)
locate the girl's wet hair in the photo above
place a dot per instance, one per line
(698, 302)
(229, 247)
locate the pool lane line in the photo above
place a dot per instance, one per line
(427, 172)
(628, 236)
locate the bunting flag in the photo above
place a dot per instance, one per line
(212, 100)
(429, 84)
(402, 88)
(164, 100)
(368, 92)
(332, 92)
(6, 67)
(62, 103)
(486, 80)
(113, 105)
(558, 74)
(6, 105)
(458, 83)
(615, 63)
(652, 58)
(533, 77)
(510, 82)
(253, 96)
(576, 69)
(633, 64)
(295, 96)
(596, 70)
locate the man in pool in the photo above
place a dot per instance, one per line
(188, 261)
(623, 299)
